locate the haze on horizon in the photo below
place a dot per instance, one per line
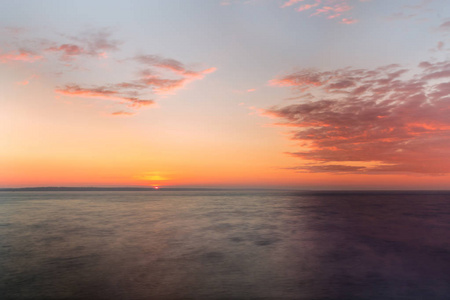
(305, 94)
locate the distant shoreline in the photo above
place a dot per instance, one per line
(150, 189)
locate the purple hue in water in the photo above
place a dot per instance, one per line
(224, 245)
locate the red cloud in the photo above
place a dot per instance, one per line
(370, 120)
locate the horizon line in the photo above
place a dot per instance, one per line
(143, 188)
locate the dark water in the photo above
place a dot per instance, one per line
(224, 245)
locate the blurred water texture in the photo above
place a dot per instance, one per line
(224, 245)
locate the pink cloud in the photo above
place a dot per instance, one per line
(25, 82)
(445, 26)
(329, 9)
(102, 92)
(302, 80)
(348, 21)
(148, 80)
(410, 11)
(307, 6)
(155, 74)
(290, 3)
(93, 43)
(68, 51)
(167, 84)
(21, 55)
(123, 113)
(14, 30)
(370, 120)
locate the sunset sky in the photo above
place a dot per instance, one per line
(307, 94)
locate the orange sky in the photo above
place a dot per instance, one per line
(287, 94)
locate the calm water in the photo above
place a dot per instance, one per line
(224, 245)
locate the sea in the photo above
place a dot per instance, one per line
(224, 244)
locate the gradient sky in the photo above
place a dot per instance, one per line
(308, 94)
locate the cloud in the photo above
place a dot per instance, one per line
(349, 21)
(68, 51)
(123, 113)
(13, 30)
(149, 80)
(445, 26)
(153, 74)
(330, 9)
(152, 78)
(410, 11)
(302, 79)
(20, 55)
(93, 43)
(98, 42)
(290, 3)
(101, 92)
(26, 81)
(388, 119)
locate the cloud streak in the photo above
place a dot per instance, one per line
(149, 80)
(330, 9)
(153, 74)
(93, 43)
(102, 92)
(19, 55)
(384, 120)
(167, 85)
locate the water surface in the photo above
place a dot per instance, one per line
(224, 245)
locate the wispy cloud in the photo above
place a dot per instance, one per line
(348, 21)
(93, 43)
(26, 81)
(330, 9)
(410, 11)
(123, 113)
(19, 55)
(153, 74)
(149, 80)
(445, 26)
(162, 85)
(107, 93)
(388, 119)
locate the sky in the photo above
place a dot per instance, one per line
(304, 94)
